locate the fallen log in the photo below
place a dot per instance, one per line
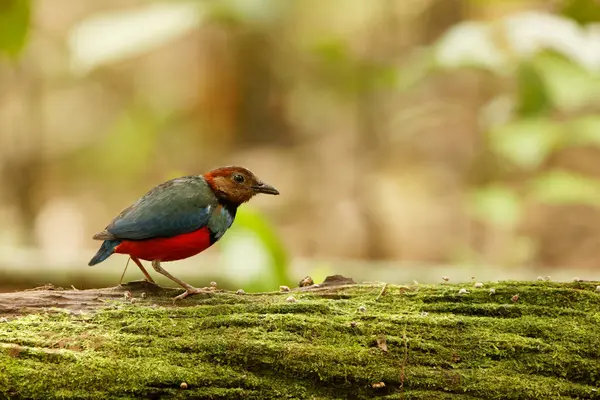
(521, 340)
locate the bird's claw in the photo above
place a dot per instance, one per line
(188, 292)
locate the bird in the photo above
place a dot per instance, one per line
(179, 219)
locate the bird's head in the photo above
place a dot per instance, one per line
(236, 185)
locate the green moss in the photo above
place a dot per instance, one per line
(441, 345)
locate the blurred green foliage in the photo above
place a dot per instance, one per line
(532, 94)
(275, 259)
(14, 26)
(130, 144)
(552, 96)
(562, 187)
(581, 11)
(548, 83)
(550, 109)
(525, 142)
(133, 138)
(497, 204)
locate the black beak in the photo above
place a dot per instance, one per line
(264, 188)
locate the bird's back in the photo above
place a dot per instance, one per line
(175, 207)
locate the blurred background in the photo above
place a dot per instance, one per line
(410, 140)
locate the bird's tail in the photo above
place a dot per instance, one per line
(107, 248)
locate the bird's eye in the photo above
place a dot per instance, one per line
(238, 178)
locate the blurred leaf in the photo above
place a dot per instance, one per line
(498, 46)
(320, 270)
(531, 33)
(337, 66)
(261, 11)
(14, 25)
(569, 85)
(526, 142)
(583, 131)
(128, 145)
(533, 96)
(114, 36)
(582, 11)
(380, 76)
(254, 252)
(341, 68)
(562, 187)
(470, 44)
(496, 205)
(332, 51)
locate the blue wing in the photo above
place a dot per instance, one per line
(166, 225)
(176, 207)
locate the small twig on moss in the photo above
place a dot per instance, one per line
(405, 341)
(382, 343)
(383, 289)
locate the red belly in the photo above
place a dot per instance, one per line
(167, 249)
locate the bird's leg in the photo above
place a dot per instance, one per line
(189, 289)
(125, 270)
(146, 274)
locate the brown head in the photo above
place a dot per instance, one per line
(236, 185)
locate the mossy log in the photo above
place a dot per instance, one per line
(524, 340)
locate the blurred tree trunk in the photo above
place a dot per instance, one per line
(261, 119)
(384, 51)
(440, 16)
(24, 163)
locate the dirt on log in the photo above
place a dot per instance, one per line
(499, 340)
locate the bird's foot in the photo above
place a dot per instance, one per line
(190, 291)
